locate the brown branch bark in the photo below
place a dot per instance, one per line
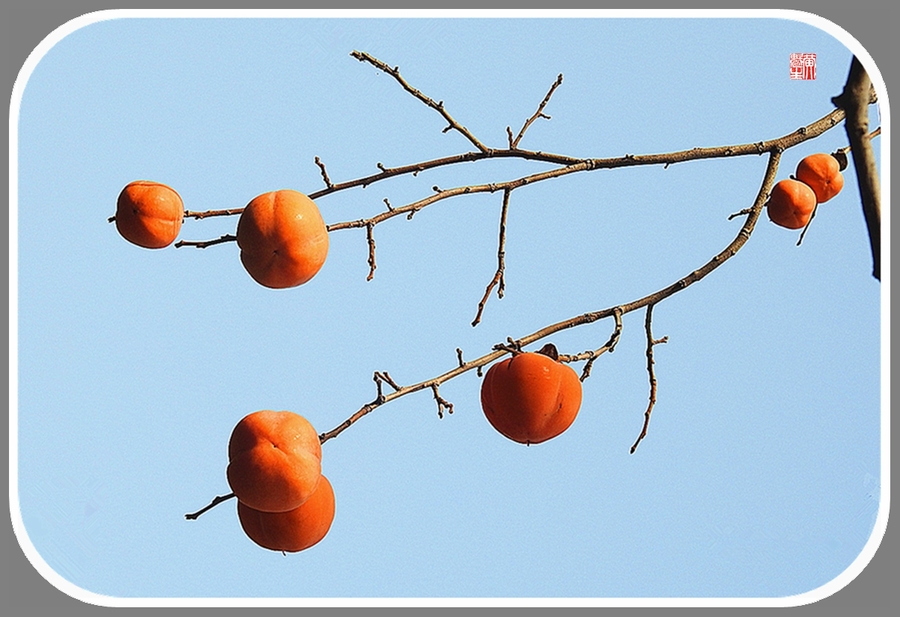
(513, 143)
(729, 251)
(212, 504)
(501, 265)
(438, 106)
(858, 94)
(202, 244)
(651, 372)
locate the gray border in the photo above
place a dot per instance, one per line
(24, 592)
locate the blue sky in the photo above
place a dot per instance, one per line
(760, 476)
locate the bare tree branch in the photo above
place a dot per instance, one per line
(513, 143)
(858, 94)
(501, 255)
(202, 244)
(592, 355)
(212, 504)
(514, 344)
(325, 177)
(370, 239)
(438, 106)
(651, 342)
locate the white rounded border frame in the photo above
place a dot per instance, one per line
(842, 580)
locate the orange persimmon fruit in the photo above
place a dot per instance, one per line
(531, 397)
(791, 204)
(283, 239)
(294, 530)
(149, 214)
(822, 172)
(274, 460)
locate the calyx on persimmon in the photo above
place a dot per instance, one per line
(149, 214)
(791, 204)
(531, 397)
(822, 173)
(294, 530)
(274, 460)
(283, 239)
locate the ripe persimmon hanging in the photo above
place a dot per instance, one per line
(822, 173)
(531, 397)
(791, 204)
(274, 460)
(294, 530)
(149, 214)
(283, 239)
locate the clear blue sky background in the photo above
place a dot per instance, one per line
(760, 475)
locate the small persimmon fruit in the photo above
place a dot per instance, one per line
(822, 172)
(791, 204)
(274, 460)
(283, 239)
(149, 214)
(531, 397)
(294, 530)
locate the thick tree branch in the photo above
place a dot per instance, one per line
(570, 165)
(858, 94)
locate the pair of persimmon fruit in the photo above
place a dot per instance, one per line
(281, 234)
(817, 179)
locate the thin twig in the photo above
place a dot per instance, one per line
(651, 342)
(202, 244)
(513, 143)
(442, 403)
(805, 227)
(438, 106)
(370, 239)
(210, 213)
(213, 504)
(592, 355)
(325, 177)
(501, 255)
(386, 377)
(846, 149)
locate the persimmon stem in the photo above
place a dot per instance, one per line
(212, 504)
